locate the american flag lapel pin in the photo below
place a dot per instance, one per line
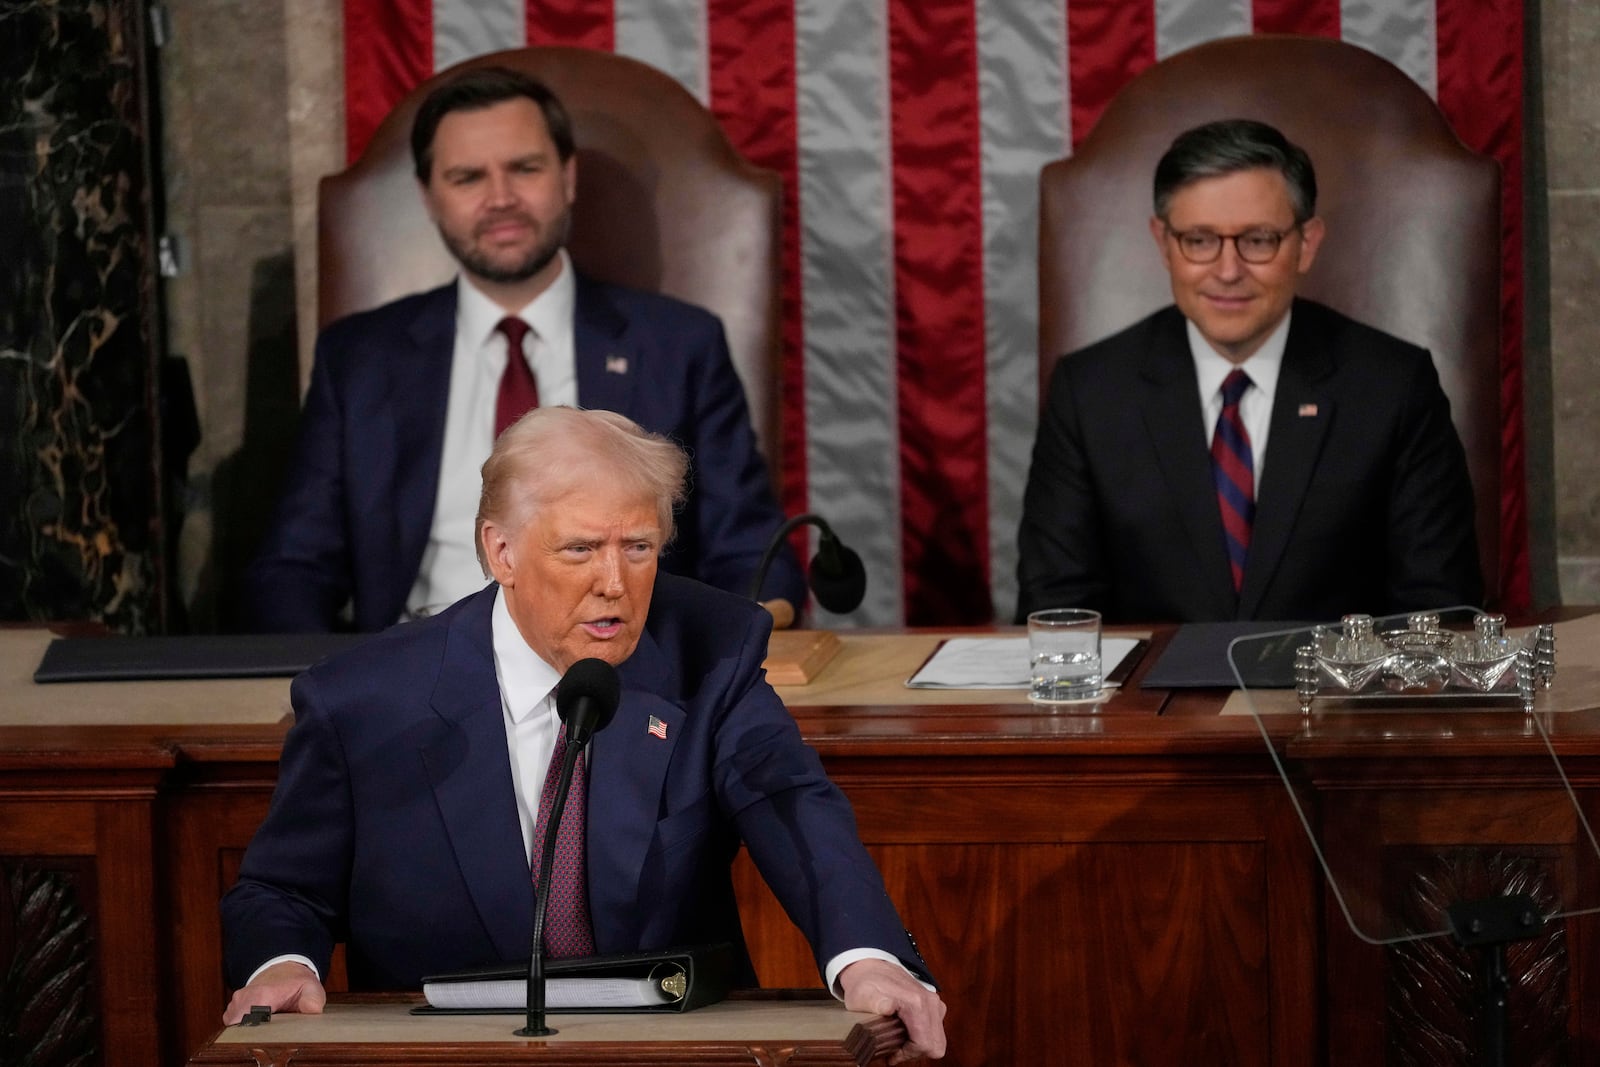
(657, 728)
(1308, 411)
(616, 364)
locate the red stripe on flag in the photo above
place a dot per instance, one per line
(388, 49)
(581, 23)
(751, 49)
(1480, 92)
(1313, 18)
(1108, 42)
(940, 357)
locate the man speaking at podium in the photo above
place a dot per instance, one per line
(407, 804)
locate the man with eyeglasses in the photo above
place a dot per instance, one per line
(1244, 453)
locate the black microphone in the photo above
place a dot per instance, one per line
(586, 701)
(838, 578)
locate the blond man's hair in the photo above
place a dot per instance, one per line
(552, 451)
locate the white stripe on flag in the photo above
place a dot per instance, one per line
(1183, 24)
(670, 35)
(1405, 32)
(466, 28)
(1065, 100)
(847, 279)
(1021, 83)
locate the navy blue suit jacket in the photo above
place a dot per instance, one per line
(394, 826)
(1364, 503)
(353, 519)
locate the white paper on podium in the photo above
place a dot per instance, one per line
(558, 992)
(1000, 663)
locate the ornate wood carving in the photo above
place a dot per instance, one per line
(49, 1014)
(1434, 1003)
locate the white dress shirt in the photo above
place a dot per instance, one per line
(1255, 406)
(527, 699)
(450, 569)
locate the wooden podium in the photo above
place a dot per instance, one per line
(799, 1029)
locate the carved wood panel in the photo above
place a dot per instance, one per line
(49, 996)
(1417, 1003)
(1434, 994)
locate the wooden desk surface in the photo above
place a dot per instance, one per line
(201, 702)
(859, 699)
(871, 668)
(741, 1021)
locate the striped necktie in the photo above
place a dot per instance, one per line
(519, 393)
(1233, 471)
(567, 928)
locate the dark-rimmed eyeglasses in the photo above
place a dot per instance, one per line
(1256, 246)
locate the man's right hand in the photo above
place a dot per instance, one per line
(286, 986)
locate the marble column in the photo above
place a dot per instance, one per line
(79, 495)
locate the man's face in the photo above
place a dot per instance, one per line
(578, 575)
(499, 192)
(1235, 304)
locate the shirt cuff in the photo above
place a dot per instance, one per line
(291, 958)
(830, 973)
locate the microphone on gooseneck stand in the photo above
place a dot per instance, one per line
(586, 701)
(837, 577)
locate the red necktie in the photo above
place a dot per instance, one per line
(1233, 470)
(519, 393)
(567, 929)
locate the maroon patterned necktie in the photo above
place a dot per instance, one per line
(519, 393)
(1233, 470)
(567, 929)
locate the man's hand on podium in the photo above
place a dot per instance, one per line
(887, 989)
(286, 986)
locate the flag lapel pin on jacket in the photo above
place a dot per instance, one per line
(657, 728)
(1308, 411)
(616, 364)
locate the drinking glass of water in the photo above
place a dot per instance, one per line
(1064, 648)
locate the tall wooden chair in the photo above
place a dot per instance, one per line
(1413, 217)
(664, 203)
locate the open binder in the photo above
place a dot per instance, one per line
(676, 979)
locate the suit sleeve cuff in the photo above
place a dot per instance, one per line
(830, 974)
(293, 958)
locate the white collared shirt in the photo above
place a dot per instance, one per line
(450, 569)
(527, 700)
(1255, 406)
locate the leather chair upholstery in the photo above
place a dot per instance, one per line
(664, 203)
(1413, 217)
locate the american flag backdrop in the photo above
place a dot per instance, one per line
(909, 135)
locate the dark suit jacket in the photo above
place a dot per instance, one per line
(354, 515)
(394, 824)
(1363, 503)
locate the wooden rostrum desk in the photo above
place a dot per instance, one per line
(797, 1029)
(1127, 887)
